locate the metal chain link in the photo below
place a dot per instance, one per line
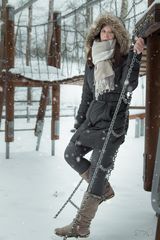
(134, 20)
(69, 198)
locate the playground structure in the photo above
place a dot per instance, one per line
(34, 56)
(148, 27)
(9, 81)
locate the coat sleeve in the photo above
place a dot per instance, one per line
(86, 98)
(133, 80)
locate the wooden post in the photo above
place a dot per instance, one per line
(2, 56)
(9, 123)
(9, 136)
(54, 55)
(55, 115)
(124, 10)
(149, 27)
(8, 85)
(152, 32)
(152, 106)
(41, 114)
(28, 57)
(9, 37)
(89, 14)
(152, 122)
(158, 229)
(1, 99)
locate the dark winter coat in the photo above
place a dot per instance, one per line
(94, 116)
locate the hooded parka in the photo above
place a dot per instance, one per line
(94, 115)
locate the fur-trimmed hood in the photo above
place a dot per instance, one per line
(118, 29)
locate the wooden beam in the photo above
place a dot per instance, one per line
(142, 74)
(21, 81)
(42, 104)
(137, 107)
(143, 62)
(150, 22)
(41, 114)
(138, 115)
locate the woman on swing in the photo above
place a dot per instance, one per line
(108, 61)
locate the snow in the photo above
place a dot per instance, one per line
(44, 72)
(34, 185)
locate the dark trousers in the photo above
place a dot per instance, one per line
(74, 155)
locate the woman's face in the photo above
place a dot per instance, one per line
(106, 33)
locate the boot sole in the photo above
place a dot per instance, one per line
(76, 236)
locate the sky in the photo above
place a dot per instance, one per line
(41, 3)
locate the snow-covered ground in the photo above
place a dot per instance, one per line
(34, 185)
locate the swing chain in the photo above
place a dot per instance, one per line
(112, 125)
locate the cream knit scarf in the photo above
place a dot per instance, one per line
(102, 52)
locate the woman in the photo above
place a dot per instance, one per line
(108, 61)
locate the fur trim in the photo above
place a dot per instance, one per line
(121, 34)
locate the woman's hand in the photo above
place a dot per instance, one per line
(139, 45)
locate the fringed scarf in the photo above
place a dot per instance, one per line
(102, 52)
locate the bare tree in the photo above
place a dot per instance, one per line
(124, 9)
(2, 33)
(89, 14)
(29, 30)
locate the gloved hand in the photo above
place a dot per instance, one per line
(73, 130)
(76, 126)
